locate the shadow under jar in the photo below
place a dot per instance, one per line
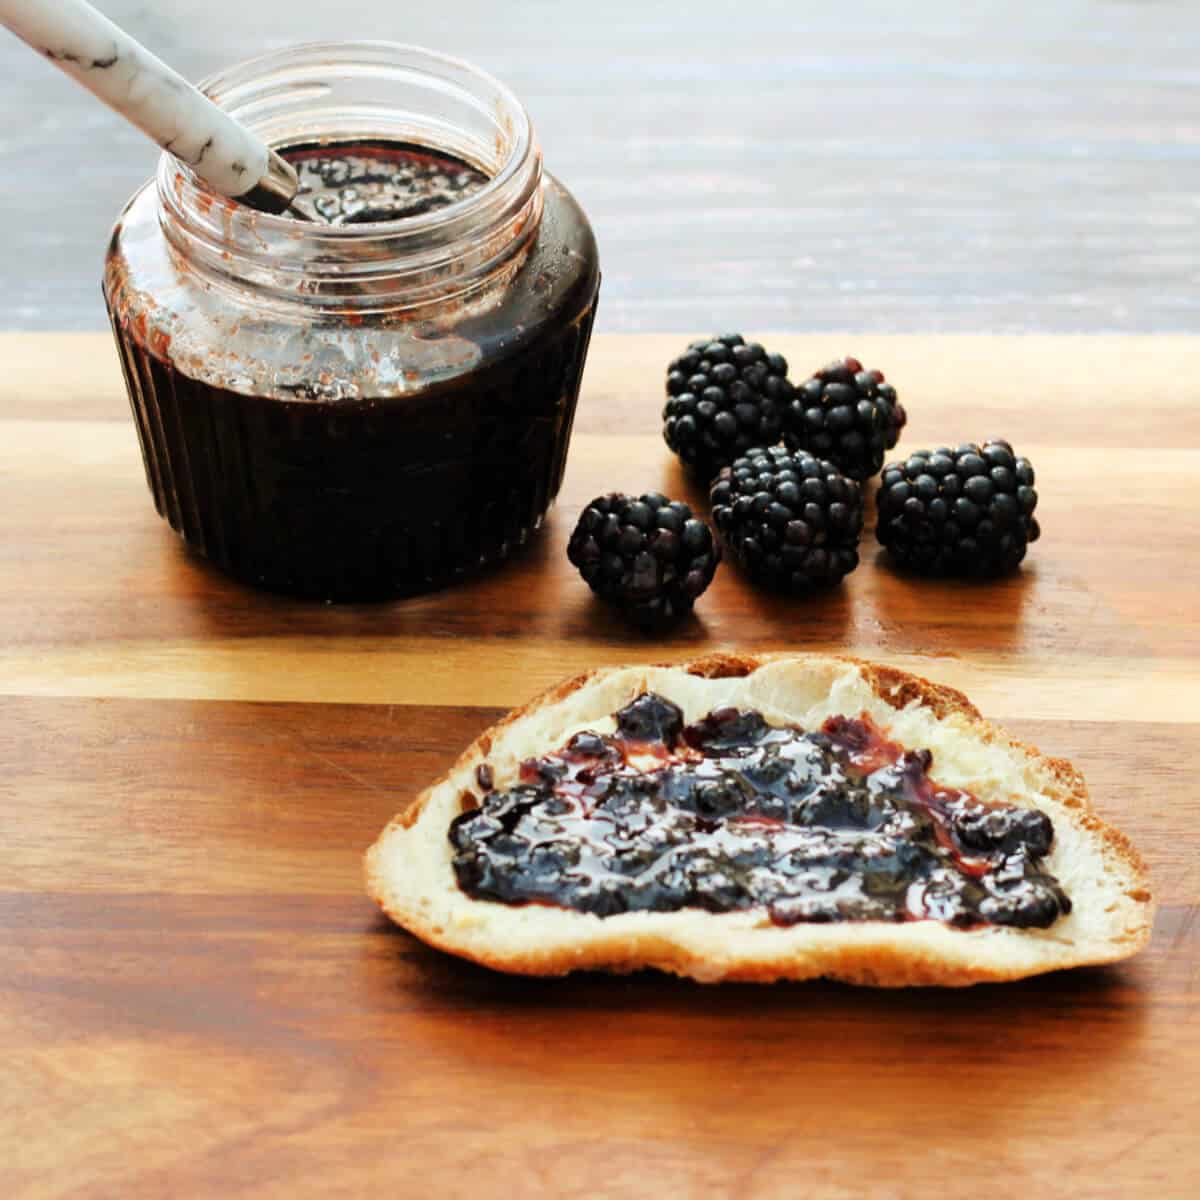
(369, 409)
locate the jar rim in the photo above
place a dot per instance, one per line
(344, 91)
(522, 138)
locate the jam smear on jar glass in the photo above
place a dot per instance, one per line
(730, 813)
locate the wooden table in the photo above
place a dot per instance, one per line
(197, 999)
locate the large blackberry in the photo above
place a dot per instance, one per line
(724, 395)
(847, 415)
(958, 512)
(647, 555)
(791, 520)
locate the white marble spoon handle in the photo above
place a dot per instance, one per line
(127, 77)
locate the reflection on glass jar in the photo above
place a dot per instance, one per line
(377, 401)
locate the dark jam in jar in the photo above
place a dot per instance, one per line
(731, 813)
(305, 486)
(350, 183)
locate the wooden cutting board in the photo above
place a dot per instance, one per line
(196, 998)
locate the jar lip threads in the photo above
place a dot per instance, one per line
(366, 92)
(434, 100)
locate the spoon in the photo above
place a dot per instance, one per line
(161, 103)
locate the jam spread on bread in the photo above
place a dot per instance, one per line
(731, 813)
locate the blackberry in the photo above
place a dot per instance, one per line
(791, 520)
(724, 396)
(847, 415)
(647, 555)
(958, 512)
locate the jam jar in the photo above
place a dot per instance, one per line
(376, 400)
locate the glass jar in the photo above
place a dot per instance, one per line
(362, 410)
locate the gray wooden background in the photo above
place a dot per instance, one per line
(931, 165)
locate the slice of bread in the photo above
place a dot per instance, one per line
(409, 871)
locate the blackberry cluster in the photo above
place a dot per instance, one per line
(791, 520)
(847, 415)
(962, 512)
(646, 555)
(724, 396)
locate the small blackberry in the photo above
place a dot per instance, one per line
(847, 415)
(724, 395)
(791, 520)
(647, 555)
(958, 512)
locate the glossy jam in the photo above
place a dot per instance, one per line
(349, 183)
(730, 813)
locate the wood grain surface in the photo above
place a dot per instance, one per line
(791, 164)
(197, 999)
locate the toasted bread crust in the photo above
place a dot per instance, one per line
(877, 953)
